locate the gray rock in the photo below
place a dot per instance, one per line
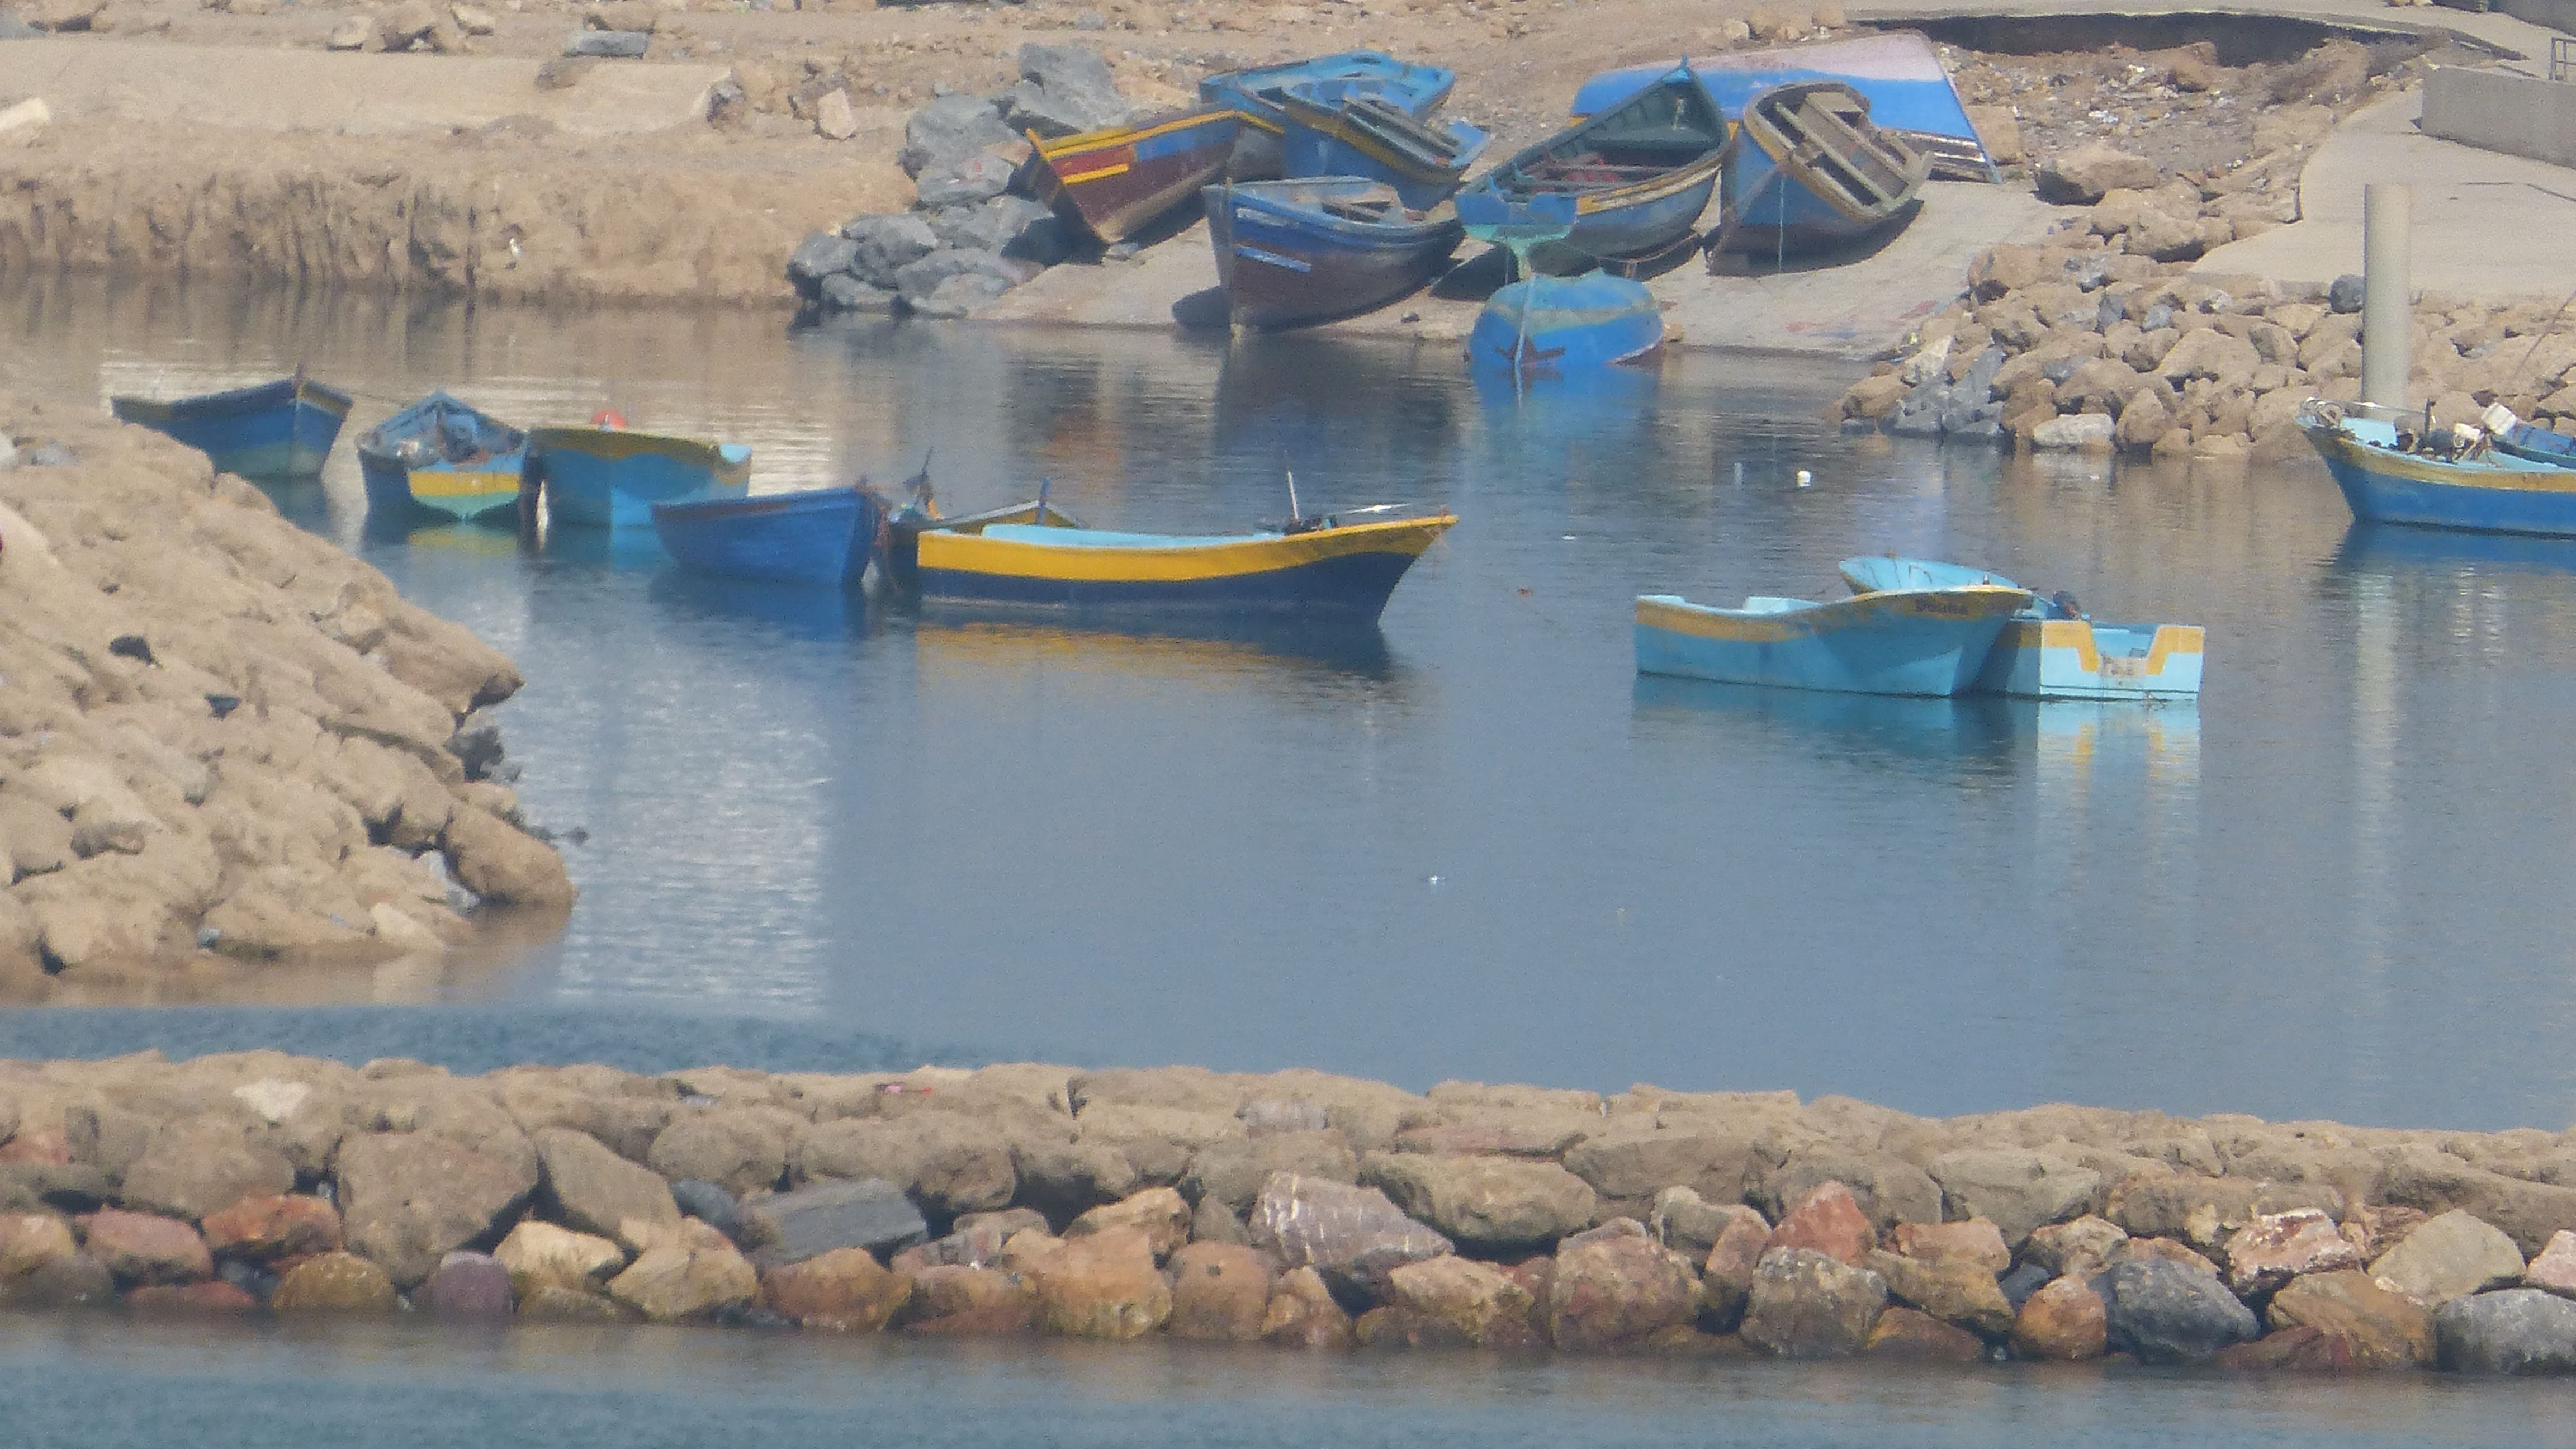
(1063, 89)
(2517, 1331)
(69, 1188)
(466, 1288)
(2017, 1190)
(1231, 1172)
(590, 1189)
(1977, 384)
(2169, 1312)
(2449, 1257)
(1986, 426)
(947, 131)
(200, 1165)
(2090, 272)
(2109, 311)
(1014, 226)
(79, 1281)
(886, 244)
(2345, 294)
(2024, 1280)
(1857, 427)
(1807, 1305)
(608, 44)
(845, 293)
(1919, 415)
(1352, 1235)
(958, 296)
(793, 1226)
(2059, 369)
(818, 256)
(973, 179)
(1266, 1116)
(1490, 1202)
(917, 279)
(709, 1204)
(260, 1283)
(409, 1199)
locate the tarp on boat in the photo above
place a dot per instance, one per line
(1909, 91)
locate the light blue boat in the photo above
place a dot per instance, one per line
(1638, 175)
(1809, 172)
(2049, 649)
(281, 429)
(1334, 133)
(1566, 325)
(611, 477)
(2393, 470)
(1257, 97)
(441, 458)
(1905, 641)
(815, 536)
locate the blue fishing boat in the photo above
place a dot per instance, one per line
(2393, 469)
(1257, 97)
(1566, 325)
(1290, 253)
(608, 477)
(1905, 641)
(1639, 174)
(816, 536)
(1119, 180)
(281, 429)
(1809, 172)
(1334, 134)
(2050, 649)
(2516, 438)
(441, 457)
(1909, 91)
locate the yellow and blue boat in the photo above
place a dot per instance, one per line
(609, 477)
(1034, 555)
(2049, 649)
(443, 457)
(1898, 641)
(281, 429)
(2394, 469)
(1119, 180)
(1639, 175)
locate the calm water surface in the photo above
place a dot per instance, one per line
(1471, 843)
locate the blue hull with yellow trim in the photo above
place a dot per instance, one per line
(1345, 571)
(2050, 650)
(2386, 483)
(816, 536)
(611, 478)
(1914, 641)
(281, 429)
(441, 458)
(1255, 96)
(1640, 174)
(1334, 134)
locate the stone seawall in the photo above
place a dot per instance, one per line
(1297, 1209)
(223, 741)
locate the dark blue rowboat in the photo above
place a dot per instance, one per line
(1290, 253)
(1331, 133)
(1258, 97)
(281, 429)
(818, 536)
(1809, 172)
(441, 456)
(1639, 173)
(2537, 444)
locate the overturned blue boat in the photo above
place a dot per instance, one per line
(1809, 173)
(281, 429)
(1639, 174)
(2050, 649)
(441, 457)
(815, 536)
(1566, 325)
(607, 477)
(1258, 97)
(1903, 641)
(1293, 253)
(1334, 133)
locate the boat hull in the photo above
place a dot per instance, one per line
(441, 457)
(1117, 182)
(1323, 140)
(1640, 175)
(1929, 642)
(818, 536)
(1566, 325)
(2049, 651)
(1784, 195)
(1258, 152)
(1286, 265)
(281, 429)
(611, 478)
(2490, 495)
(1345, 572)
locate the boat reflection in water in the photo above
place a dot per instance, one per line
(798, 611)
(960, 639)
(2396, 550)
(1975, 734)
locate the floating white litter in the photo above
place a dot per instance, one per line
(1805, 478)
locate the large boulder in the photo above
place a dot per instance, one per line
(142, 1248)
(593, 1190)
(1302, 1313)
(2379, 1328)
(199, 1165)
(1726, 1276)
(1104, 1285)
(2167, 1312)
(918, 279)
(1954, 1290)
(2077, 1249)
(1232, 1171)
(77, 1281)
(824, 254)
(1885, 1187)
(1974, 1241)
(694, 1273)
(1638, 1158)
(1475, 1302)
(949, 1161)
(1220, 1292)
(2554, 1267)
(335, 1283)
(2517, 1331)
(2277, 1247)
(1013, 226)
(266, 1229)
(1690, 1225)
(1615, 1286)
(738, 1148)
(845, 1290)
(948, 130)
(2447, 1257)
(792, 1226)
(1160, 1213)
(1806, 1304)
(1492, 1203)
(951, 1299)
(1063, 90)
(539, 1255)
(467, 1288)
(2014, 1188)
(2065, 1321)
(1350, 1234)
(2437, 1182)
(408, 1199)
(1909, 1336)
(883, 244)
(2084, 175)
(1829, 1221)
(29, 1241)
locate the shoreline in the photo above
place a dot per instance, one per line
(1296, 1209)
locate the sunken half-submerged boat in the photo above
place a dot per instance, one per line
(1639, 173)
(2393, 468)
(281, 429)
(1032, 554)
(1563, 325)
(1331, 134)
(812, 536)
(1259, 97)
(1120, 180)
(1896, 641)
(444, 457)
(1809, 173)
(2050, 649)
(1291, 253)
(607, 477)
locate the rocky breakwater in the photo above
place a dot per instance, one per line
(2105, 336)
(1298, 1209)
(973, 232)
(224, 742)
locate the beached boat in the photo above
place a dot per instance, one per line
(1639, 173)
(814, 536)
(1258, 97)
(441, 456)
(1909, 91)
(1330, 134)
(1289, 253)
(1809, 172)
(1120, 180)
(2050, 650)
(2392, 469)
(1905, 641)
(1566, 325)
(281, 429)
(1029, 554)
(611, 478)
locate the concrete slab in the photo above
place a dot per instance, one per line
(346, 94)
(2487, 226)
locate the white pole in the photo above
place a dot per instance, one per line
(2387, 323)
